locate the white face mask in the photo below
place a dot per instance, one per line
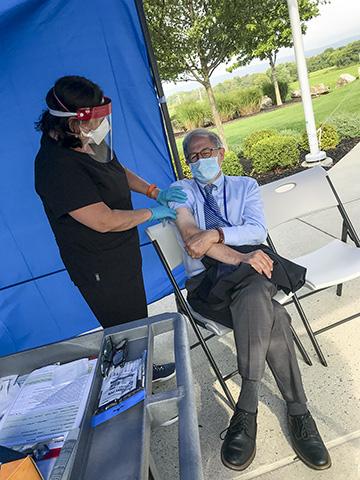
(98, 135)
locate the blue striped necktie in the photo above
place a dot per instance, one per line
(212, 214)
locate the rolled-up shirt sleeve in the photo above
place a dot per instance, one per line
(189, 203)
(253, 230)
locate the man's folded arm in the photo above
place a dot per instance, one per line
(188, 229)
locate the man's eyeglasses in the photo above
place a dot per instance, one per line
(113, 355)
(204, 153)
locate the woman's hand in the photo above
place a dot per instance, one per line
(162, 213)
(172, 194)
(197, 245)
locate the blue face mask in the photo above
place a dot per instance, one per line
(205, 169)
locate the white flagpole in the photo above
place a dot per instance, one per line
(315, 155)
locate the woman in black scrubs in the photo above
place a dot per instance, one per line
(86, 196)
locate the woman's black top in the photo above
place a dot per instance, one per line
(67, 180)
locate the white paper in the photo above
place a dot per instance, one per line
(45, 408)
(8, 391)
(70, 371)
(120, 381)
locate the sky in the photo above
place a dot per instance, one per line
(338, 20)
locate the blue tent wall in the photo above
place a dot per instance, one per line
(41, 41)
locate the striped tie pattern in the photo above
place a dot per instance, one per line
(212, 212)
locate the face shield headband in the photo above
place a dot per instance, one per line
(95, 127)
(85, 113)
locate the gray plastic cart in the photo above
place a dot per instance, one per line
(119, 449)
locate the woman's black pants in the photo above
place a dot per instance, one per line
(116, 301)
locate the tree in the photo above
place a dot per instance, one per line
(268, 30)
(191, 38)
(285, 72)
(347, 55)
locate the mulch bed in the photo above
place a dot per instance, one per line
(336, 154)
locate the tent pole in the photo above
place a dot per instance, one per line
(160, 91)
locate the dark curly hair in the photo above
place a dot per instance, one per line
(73, 92)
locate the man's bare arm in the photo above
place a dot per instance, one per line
(186, 224)
(196, 240)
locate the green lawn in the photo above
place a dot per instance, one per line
(328, 76)
(341, 100)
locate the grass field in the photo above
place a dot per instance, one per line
(328, 76)
(341, 100)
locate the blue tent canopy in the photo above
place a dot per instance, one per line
(41, 41)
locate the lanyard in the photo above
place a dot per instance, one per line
(225, 220)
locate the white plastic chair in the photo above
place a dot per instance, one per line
(333, 264)
(171, 255)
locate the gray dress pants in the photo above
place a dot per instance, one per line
(262, 334)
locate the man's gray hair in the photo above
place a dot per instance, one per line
(200, 132)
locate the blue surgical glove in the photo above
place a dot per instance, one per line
(172, 194)
(162, 213)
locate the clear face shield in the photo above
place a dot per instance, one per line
(95, 129)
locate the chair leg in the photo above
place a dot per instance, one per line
(184, 309)
(211, 360)
(300, 347)
(309, 330)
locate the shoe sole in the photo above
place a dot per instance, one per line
(307, 463)
(164, 379)
(239, 468)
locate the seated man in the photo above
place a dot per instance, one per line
(222, 213)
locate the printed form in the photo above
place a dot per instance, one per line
(51, 402)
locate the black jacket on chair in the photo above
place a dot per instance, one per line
(220, 279)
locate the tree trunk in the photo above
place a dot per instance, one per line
(275, 83)
(215, 113)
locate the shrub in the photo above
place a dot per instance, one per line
(193, 115)
(177, 126)
(248, 100)
(185, 167)
(243, 101)
(227, 106)
(327, 137)
(346, 124)
(237, 148)
(275, 151)
(288, 132)
(231, 164)
(269, 90)
(255, 137)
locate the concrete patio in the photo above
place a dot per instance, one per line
(333, 392)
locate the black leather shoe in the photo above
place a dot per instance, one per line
(239, 447)
(307, 443)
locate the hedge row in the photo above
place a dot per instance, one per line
(270, 149)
